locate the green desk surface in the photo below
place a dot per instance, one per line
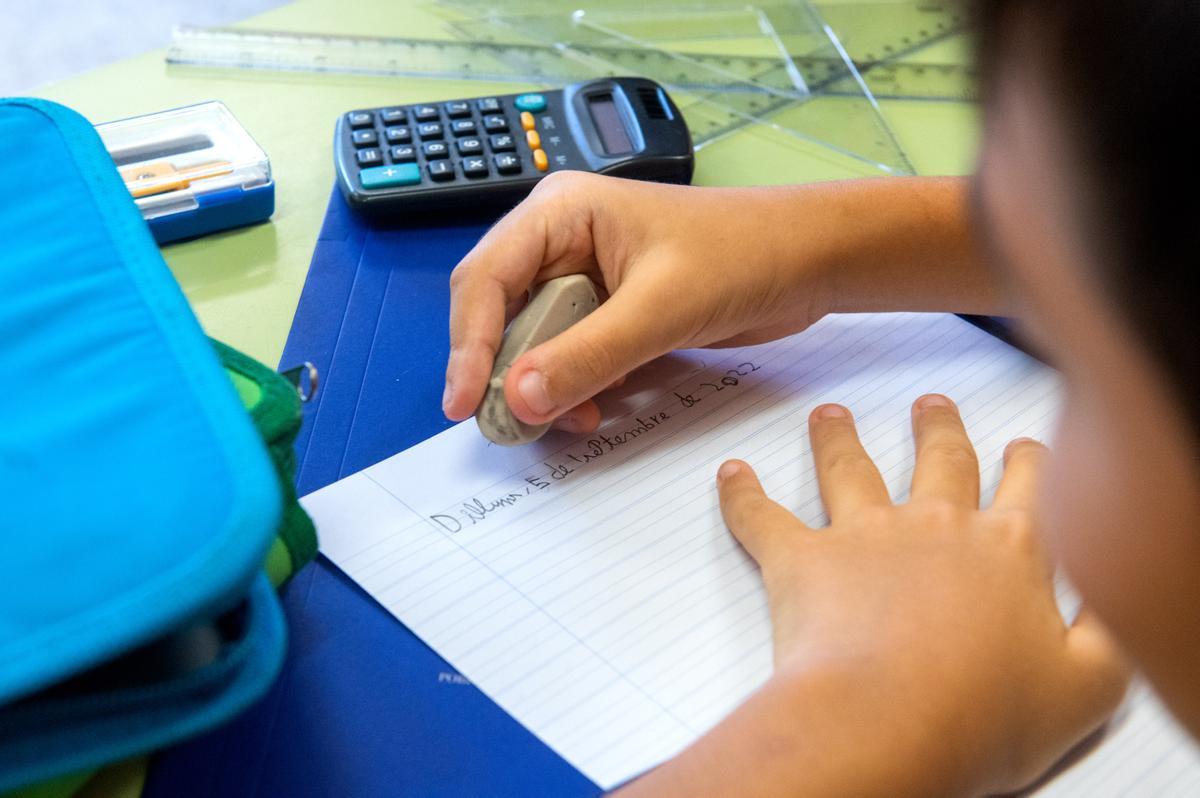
(244, 284)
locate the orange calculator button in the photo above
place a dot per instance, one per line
(540, 160)
(533, 139)
(527, 120)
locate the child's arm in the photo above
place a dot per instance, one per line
(918, 647)
(701, 266)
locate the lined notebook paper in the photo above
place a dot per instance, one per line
(587, 583)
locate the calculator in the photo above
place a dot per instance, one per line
(459, 153)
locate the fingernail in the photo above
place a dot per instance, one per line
(447, 397)
(1014, 443)
(933, 400)
(532, 387)
(728, 469)
(832, 411)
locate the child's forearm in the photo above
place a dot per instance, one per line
(822, 736)
(903, 244)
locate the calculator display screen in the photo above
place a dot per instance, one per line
(607, 119)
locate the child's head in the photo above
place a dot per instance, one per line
(1085, 201)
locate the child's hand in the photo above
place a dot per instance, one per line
(687, 266)
(684, 267)
(918, 647)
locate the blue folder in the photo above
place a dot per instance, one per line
(363, 707)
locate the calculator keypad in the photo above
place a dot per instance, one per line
(458, 140)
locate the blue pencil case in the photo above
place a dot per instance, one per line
(137, 501)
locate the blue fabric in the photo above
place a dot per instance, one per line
(55, 735)
(363, 707)
(134, 492)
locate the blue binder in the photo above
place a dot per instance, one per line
(363, 707)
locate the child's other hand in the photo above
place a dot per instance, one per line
(932, 623)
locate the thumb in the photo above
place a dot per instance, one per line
(754, 520)
(583, 360)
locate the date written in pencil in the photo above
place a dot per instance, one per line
(706, 389)
(475, 510)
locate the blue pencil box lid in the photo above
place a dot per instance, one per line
(136, 500)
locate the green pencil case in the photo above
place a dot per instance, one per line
(274, 404)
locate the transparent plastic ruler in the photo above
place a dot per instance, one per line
(798, 78)
(813, 92)
(251, 49)
(873, 32)
(878, 32)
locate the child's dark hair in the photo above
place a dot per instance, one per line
(1126, 73)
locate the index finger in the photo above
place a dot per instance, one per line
(492, 276)
(757, 522)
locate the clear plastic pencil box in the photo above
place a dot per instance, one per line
(191, 170)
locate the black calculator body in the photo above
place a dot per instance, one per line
(494, 150)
